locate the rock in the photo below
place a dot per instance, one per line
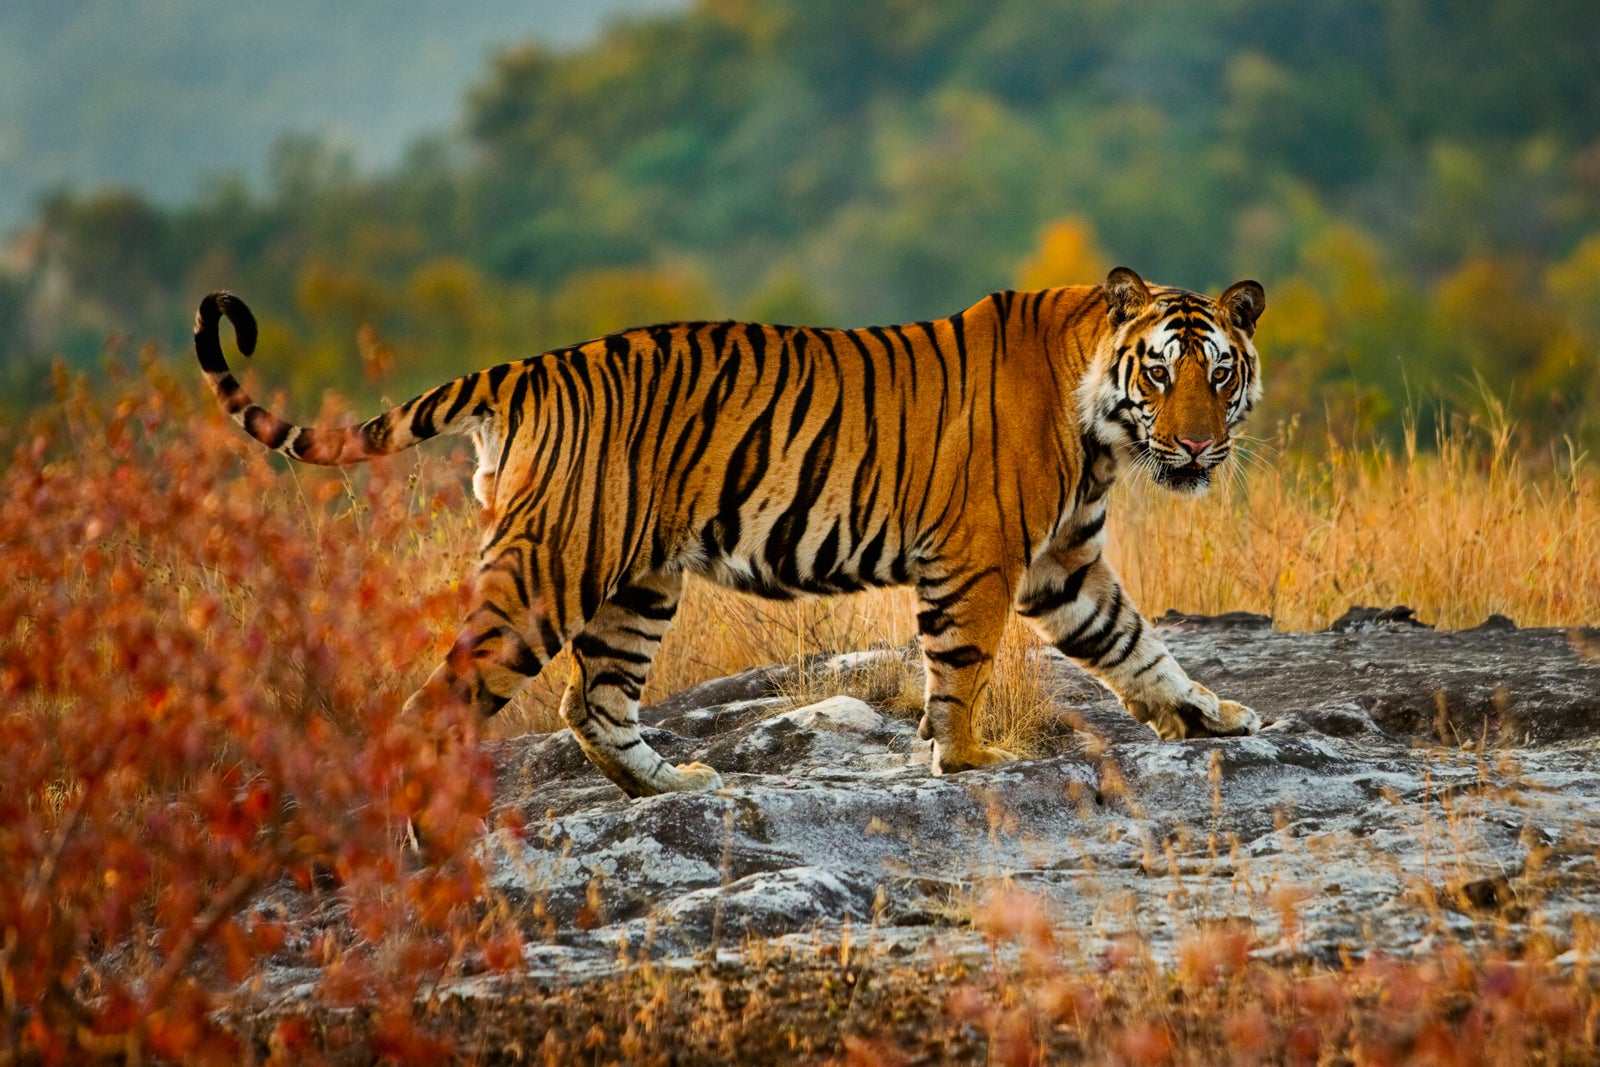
(1358, 619)
(1410, 784)
(1228, 620)
(1400, 765)
(746, 685)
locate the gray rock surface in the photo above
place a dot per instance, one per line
(1410, 785)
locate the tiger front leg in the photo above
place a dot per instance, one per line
(960, 620)
(1079, 606)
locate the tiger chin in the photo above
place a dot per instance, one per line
(968, 457)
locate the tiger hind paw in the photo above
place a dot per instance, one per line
(694, 777)
(684, 778)
(947, 761)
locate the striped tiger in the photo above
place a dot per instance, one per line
(968, 457)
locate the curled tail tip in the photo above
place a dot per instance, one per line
(221, 303)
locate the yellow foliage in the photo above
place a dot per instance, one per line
(1301, 319)
(599, 302)
(786, 298)
(1066, 255)
(1347, 266)
(1483, 296)
(1574, 284)
(347, 296)
(448, 290)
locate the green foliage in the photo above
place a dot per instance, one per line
(1417, 185)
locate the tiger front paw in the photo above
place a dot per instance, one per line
(949, 761)
(1201, 715)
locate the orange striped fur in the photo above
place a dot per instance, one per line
(967, 456)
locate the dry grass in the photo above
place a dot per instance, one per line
(1458, 532)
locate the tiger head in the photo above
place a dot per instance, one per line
(1179, 377)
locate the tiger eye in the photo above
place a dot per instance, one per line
(1221, 374)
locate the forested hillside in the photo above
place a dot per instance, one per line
(1416, 183)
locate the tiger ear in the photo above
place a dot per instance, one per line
(1126, 295)
(1244, 302)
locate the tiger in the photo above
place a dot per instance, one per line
(968, 457)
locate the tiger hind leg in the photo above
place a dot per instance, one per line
(505, 640)
(610, 660)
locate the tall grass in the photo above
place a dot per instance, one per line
(1468, 527)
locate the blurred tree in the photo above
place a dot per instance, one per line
(788, 299)
(1417, 176)
(116, 248)
(596, 303)
(1066, 255)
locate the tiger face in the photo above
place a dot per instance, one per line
(1179, 378)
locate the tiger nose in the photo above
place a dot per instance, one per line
(1196, 447)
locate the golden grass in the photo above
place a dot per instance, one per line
(1458, 532)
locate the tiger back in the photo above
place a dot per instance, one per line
(968, 457)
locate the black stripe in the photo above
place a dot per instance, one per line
(932, 622)
(1113, 660)
(497, 375)
(944, 600)
(871, 554)
(645, 602)
(960, 657)
(266, 427)
(629, 686)
(1096, 643)
(783, 540)
(827, 555)
(549, 637)
(747, 466)
(958, 324)
(465, 388)
(1071, 640)
(1055, 597)
(1148, 667)
(1088, 530)
(377, 433)
(596, 647)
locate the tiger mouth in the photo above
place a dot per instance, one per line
(1183, 477)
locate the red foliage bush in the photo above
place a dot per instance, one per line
(202, 661)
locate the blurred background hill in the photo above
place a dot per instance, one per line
(1417, 183)
(166, 96)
